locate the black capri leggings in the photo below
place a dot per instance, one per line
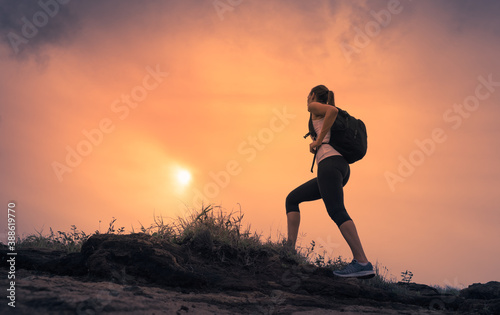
(333, 174)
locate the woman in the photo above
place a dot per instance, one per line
(332, 175)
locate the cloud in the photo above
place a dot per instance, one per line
(28, 27)
(469, 14)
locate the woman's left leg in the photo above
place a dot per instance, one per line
(350, 234)
(333, 173)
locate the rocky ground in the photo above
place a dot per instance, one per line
(135, 274)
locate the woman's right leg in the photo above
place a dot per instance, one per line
(306, 192)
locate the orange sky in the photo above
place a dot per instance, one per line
(222, 94)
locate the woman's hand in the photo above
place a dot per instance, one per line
(314, 146)
(329, 112)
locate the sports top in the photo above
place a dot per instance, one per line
(325, 150)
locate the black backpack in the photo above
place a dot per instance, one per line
(347, 136)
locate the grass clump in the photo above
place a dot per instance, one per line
(66, 241)
(215, 234)
(69, 242)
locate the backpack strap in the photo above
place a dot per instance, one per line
(313, 134)
(314, 158)
(315, 153)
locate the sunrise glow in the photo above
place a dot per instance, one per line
(183, 177)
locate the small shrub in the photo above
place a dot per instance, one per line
(406, 276)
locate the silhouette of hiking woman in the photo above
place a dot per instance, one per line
(332, 174)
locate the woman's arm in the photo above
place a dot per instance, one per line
(330, 113)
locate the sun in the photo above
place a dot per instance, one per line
(183, 177)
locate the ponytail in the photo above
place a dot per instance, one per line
(331, 99)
